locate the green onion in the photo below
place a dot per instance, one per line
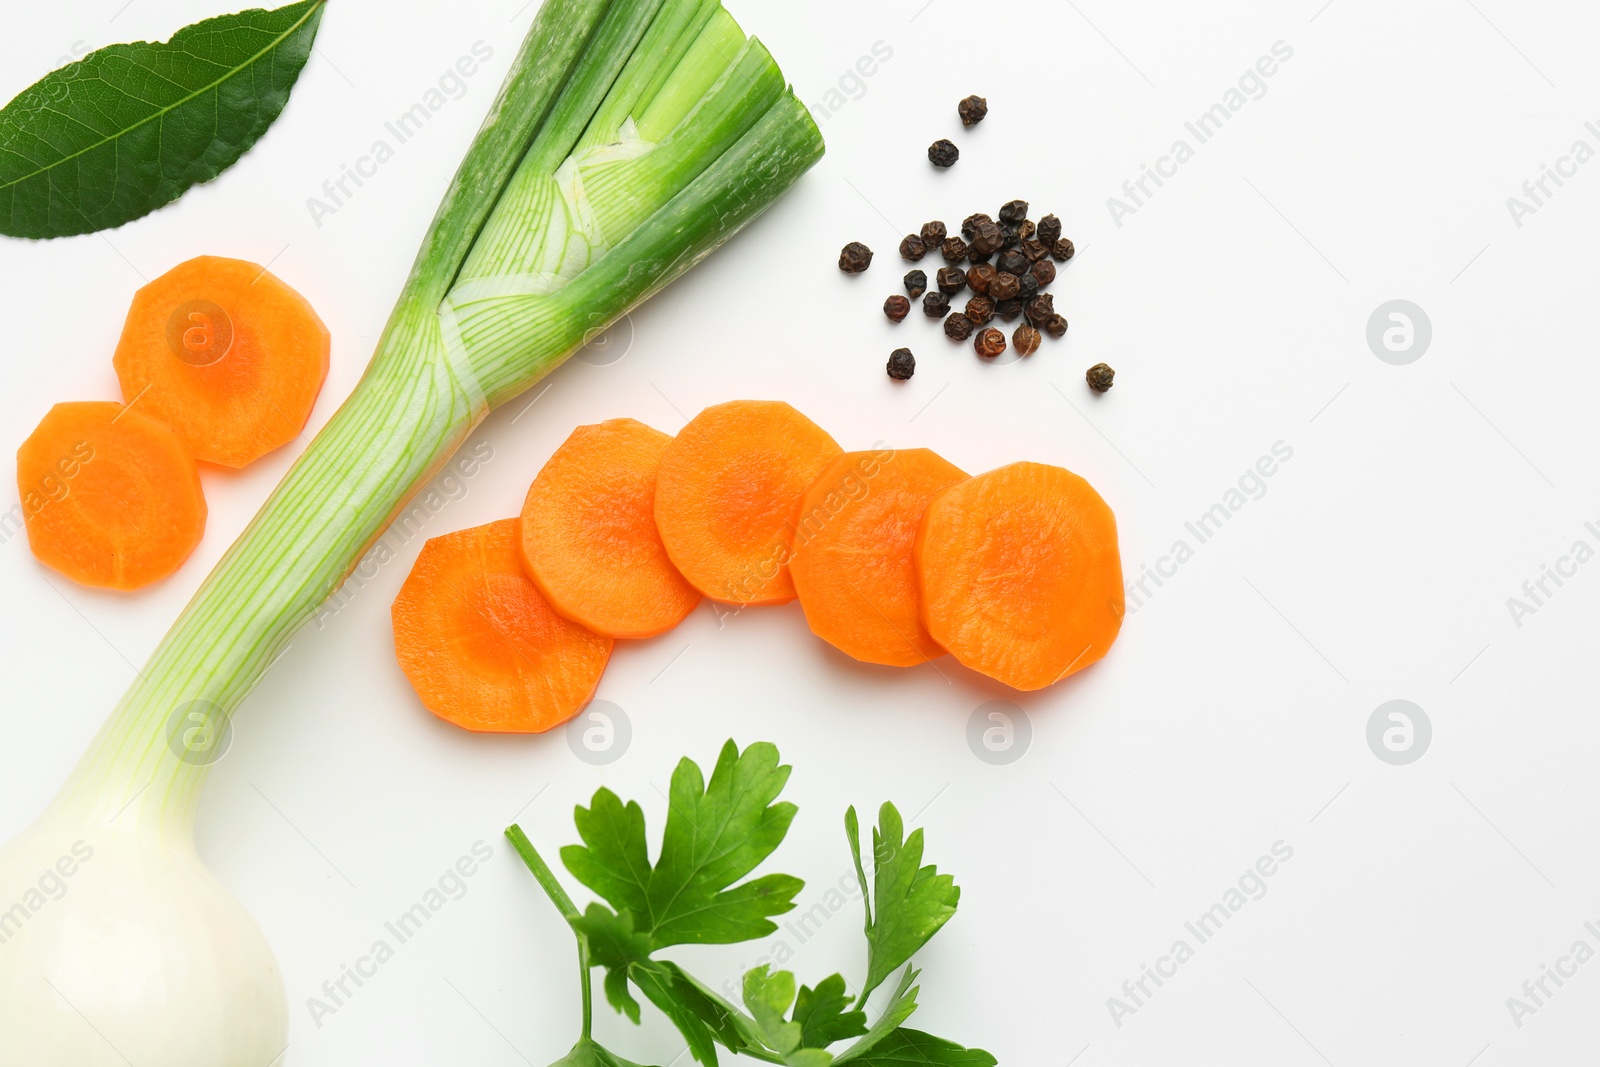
(630, 140)
(549, 268)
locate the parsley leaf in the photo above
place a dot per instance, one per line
(614, 859)
(617, 995)
(657, 982)
(614, 944)
(768, 997)
(586, 1053)
(737, 1031)
(700, 1016)
(716, 834)
(822, 1016)
(905, 1047)
(912, 901)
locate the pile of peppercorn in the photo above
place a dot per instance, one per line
(1011, 266)
(1012, 262)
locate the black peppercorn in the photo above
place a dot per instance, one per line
(972, 110)
(987, 238)
(1012, 262)
(1026, 230)
(1008, 309)
(1049, 229)
(897, 308)
(958, 327)
(981, 276)
(936, 305)
(902, 364)
(990, 343)
(952, 280)
(1027, 287)
(979, 257)
(916, 283)
(969, 225)
(1005, 286)
(1010, 235)
(1099, 377)
(1026, 340)
(912, 248)
(855, 258)
(980, 309)
(1055, 326)
(943, 154)
(933, 235)
(954, 250)
(1062, 250)
(1034, 250)
(1044, 272)
(1040, 309)
(1014, 212)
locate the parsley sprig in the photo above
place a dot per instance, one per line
(699, 891)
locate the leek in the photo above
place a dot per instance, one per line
(631, 138)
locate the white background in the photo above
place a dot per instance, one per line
(1231, 714)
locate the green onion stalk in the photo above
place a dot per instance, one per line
(630, 140)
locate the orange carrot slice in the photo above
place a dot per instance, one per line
(226, 354)
(479, 644)
(1020, 574)
(853, 564)
(726, 495)
(589, 536)
(110, 497)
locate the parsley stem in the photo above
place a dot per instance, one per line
(585, 981)
(542, 871)
(569, 911)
